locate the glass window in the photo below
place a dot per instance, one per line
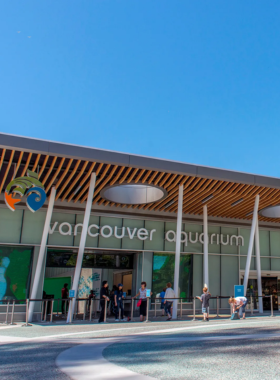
(15, 272)
(194, 231)
(10, 225)
(246, 236)
(225, 240)
(163, 272)
(275, 243)
(264, 243)
(214, 247)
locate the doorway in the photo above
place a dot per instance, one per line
(269, 286)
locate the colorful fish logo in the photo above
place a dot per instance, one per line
(36, 194)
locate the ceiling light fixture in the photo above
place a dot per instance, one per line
(237, 202)
(169, 204)
(207, 198)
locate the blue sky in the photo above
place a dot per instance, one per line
(194, 81)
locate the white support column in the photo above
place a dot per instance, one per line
(178, 250)
(258, 262)
(82, 243)
(251, 242)
(42, 254)
(205, 248)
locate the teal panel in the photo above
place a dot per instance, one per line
(275, 265)
(194, 228)
(275, 243)
(157, 243)
(229, 277)
(56, 238)
(265, 263)
(10, 225)
(232, 249)
(33, 225)
(214, 263)
(243, 261)
(135, 243)
(246, 235)
(168, 245)
(90, 241)
(264, 243)
(197, 275)
(214, 248)
(148, 269)
(110, 242)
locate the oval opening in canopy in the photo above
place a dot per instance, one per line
(270, 212)
(133, 194)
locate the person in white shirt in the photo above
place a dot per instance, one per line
(238, 303)
(168, 299)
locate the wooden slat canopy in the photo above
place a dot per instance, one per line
(71, 177)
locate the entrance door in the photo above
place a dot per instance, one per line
(269, 286)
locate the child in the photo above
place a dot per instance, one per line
(205, 297)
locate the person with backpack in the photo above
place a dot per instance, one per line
(168, 300)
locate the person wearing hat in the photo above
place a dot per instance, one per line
(118, 298)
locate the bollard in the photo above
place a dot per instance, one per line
(70, 309)
(155, 307)
(57, 310)
(132, 304)
(147, 310)
(194, 319)
(251, 300)
(181, 312)
(105, 312)
(51, 316)
(90, 310)
(46, 309)
(12, 317)
(217, 306)
(42, 311)
(271, 303)
(119, 313)
(7, 312)
(26, 324)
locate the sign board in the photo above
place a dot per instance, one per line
(72, 293)
(148, 292)
(238, 291)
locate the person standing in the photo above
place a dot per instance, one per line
(90, 297)
(168, 300)
(118, 299)
(162, 295)
(238, 303)
(205, 297)
(104, 297)
(64, 296)
(143, 300)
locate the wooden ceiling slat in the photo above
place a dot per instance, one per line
(75, 180)
(26, 165)
(61, 178)
(144, 179)
(165, 178)
(125, 175)
(2, 158)
(49, 171)
(17, 165)
(117, 176)
(103, 184)
(249, 195)
(152, 177)
(36, 162)
(43, 166)
(87, 185)
(159, 178)
(98, 181)
(132, 175)
(139, 175)
(55, 174)
(63, 187)
(170, 181)
(7, 170)
(83, 180)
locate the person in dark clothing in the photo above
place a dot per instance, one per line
(104, 297)
(118, 299)
(112, 299)
(90, 297)
(205, 297)
(64, 296)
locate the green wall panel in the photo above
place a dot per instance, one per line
(90, 241)
(231, 249)
(275, 243)
(214, 263)
(111, 242)
(229, 277)
(275, 265)
(10, 225)
(56, 238)
(135, 243)
(157, 244)
(264, 243)
(265, 263)
(33, 225)
(214, 248)
(197, 275)
(194, 228)
(243, 261)
(246, 235)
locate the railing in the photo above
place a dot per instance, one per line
(90, 308)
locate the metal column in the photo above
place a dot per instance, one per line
(42, 253)
(251, 242)
(205, 248)
(258, 262)
(178, 250)
(82, 244)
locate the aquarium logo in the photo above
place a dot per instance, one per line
(29, 186)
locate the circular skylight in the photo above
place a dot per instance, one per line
(133, 194)
(270, 212)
